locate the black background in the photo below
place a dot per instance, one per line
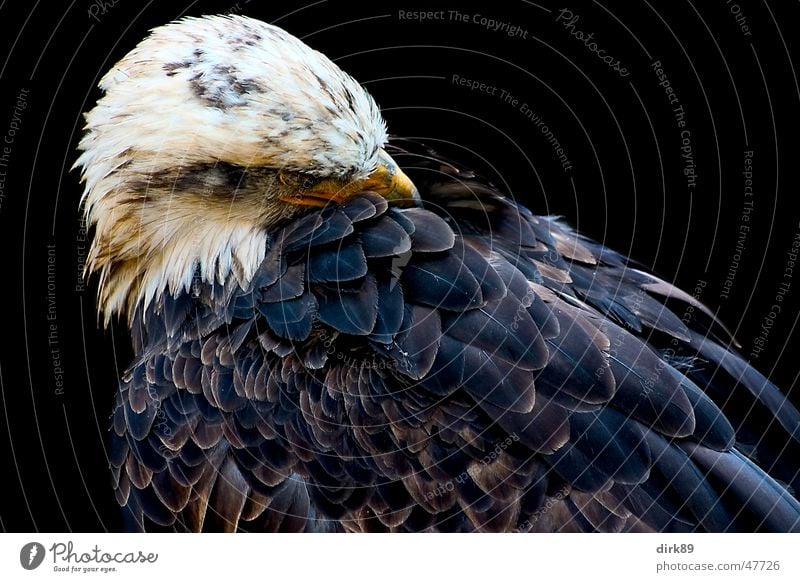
(626, 184)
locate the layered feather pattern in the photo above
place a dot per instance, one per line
(465, 367)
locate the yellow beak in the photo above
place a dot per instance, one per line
(387, 180)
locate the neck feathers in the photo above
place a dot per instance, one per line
(143, 248)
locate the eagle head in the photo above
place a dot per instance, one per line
(209, 133)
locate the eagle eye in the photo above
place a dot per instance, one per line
(296, 180)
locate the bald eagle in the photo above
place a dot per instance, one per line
(322, 345)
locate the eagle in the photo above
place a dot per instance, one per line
(321, 344)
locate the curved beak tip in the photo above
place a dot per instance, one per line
(392, 183)
(386, 180)
(403, 190)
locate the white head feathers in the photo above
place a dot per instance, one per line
(194, 94)
(239, 90)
